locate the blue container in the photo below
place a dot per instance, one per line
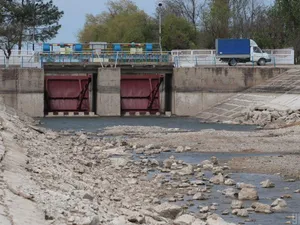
(78, 47)
(117, 47)
(46, 47)
(149, 47)
(233, 47)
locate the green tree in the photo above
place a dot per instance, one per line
(24, 20)
(177, 33)
(216, 21)
(123, 22)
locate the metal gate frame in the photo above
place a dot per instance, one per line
(152, 97)
(82, 96)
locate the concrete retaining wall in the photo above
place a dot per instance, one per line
(197, 89)
(23, 89)
(108, 92)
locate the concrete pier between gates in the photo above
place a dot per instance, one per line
(108, 92)
(23, 89)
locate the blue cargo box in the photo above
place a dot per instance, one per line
(233, 47)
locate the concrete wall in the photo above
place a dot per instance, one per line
(197, 89)
(108, 92)
(23, 89)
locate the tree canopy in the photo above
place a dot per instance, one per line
(197, 23)
(27, 20)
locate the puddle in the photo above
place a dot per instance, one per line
(197, 157)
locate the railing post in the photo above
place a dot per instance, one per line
(22, 62)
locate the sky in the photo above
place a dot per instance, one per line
(75, 11)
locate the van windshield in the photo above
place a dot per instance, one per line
(257, 50)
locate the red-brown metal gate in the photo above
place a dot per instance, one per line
(140, 93)
(65, 93)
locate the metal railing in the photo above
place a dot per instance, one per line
(106, 57)
(180, 58)
(22, 61)
(193, 58)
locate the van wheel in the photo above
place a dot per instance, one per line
(232, 62)
(261, 62)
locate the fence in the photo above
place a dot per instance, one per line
(180, 58)
(192, 58)
(106, 57)
(20, 59)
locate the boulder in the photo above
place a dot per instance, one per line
(188, 170)
(230, 192)
(168, 163)
(261, 208)
(198, 182)
(240, 212)
(229, 182)
(168, 210)
(267, 184)
(204, 209)
(214, 160)
(187, 148)
(214, 219)
(200, 196)
(218, 179)
(279, 205)
(139, 219)
(236, 204)
(184, 219)
(248, 194)
(207, 165)
(179, 149)
(244, 185)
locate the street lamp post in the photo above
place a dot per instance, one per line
(160, 45)
(33, 34)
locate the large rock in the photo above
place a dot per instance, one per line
(248, 194)
(200, 196)
(188, 170)
(179, 149)
(185, 219)
(214, 219)
(236, 204)
(230, 192)
(267, 184)
(261, 208)
(279, 205)
(168, 163)
(229, 182)
(168, 210)
(218, 179)
(240, 212)
(244, 185)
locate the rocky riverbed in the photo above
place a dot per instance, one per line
(115, 176)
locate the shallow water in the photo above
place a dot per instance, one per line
(97, 123)
(266, 195)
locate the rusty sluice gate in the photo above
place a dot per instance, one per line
(140, 93)
(67, 93)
